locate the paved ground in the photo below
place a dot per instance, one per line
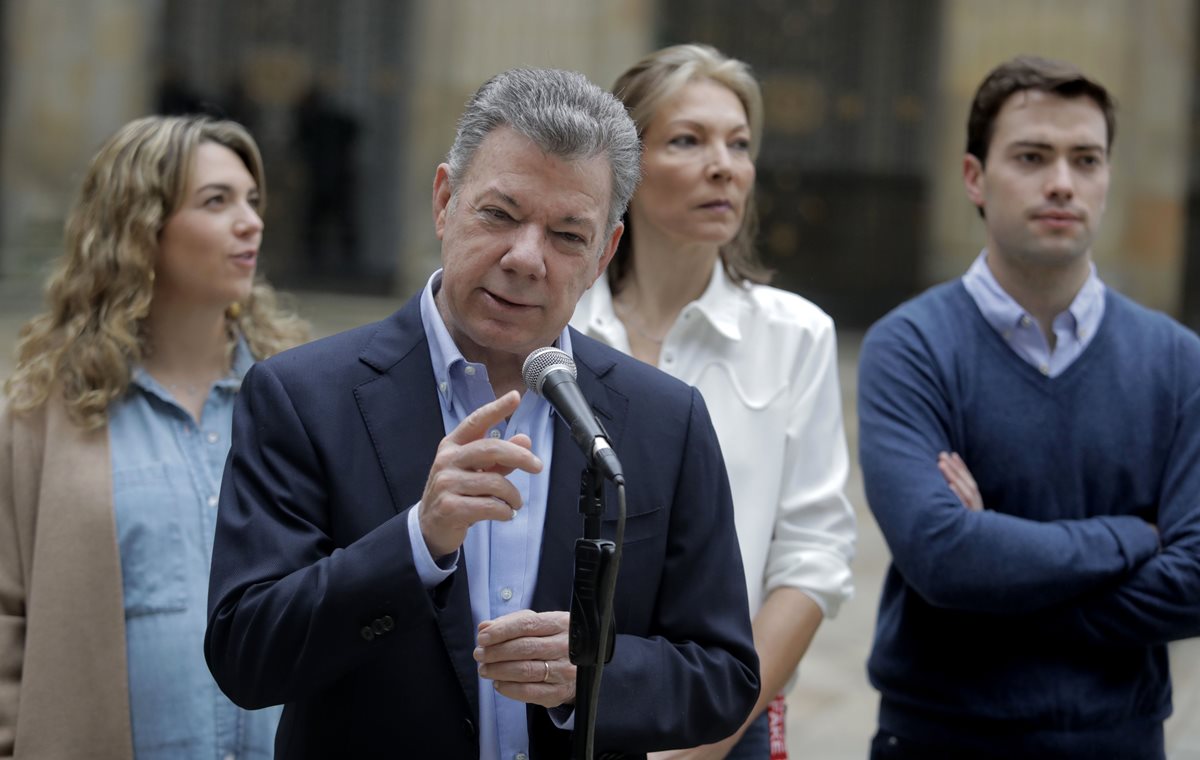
(831, 712)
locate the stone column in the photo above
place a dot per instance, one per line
(75, 71)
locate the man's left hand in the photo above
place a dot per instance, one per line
(524, 653)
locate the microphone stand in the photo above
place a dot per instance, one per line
(592, 634)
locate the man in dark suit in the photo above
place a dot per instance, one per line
(394, 546)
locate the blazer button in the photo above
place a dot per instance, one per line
(469, 725)
(388, 623)
(367, 633)
(377, 626)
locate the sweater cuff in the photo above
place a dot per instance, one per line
(1137, 539)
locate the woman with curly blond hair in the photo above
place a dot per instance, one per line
(114, 429)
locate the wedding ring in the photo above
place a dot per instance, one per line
(546, 678)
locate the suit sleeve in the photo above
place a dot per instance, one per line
(285, 606)
(12, 592)
(694, 679)
(955, 558)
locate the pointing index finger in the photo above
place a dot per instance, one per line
(477, 423)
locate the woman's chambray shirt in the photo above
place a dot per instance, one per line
(166, 479)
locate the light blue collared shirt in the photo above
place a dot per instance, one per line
(1073, 328)
(502, 557)
(166, 477)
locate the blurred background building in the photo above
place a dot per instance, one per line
(354, 103)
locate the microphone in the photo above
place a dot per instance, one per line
(550, 373)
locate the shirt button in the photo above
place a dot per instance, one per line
(1024, 320)
(212, 501)
(506, 594)
(1045, 369)
(470, 371)
(668, 357)
(493, 433)
(230, 756)
(1082, 333)
(213, 437)
(520, 756)
(443, 386)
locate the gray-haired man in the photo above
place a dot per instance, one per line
(395, 539)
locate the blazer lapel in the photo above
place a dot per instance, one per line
(564, 524)
(400, 406)
(401, 410)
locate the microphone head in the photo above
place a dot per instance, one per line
(543, 361)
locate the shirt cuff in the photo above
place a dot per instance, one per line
(563, 716)
(430, 571)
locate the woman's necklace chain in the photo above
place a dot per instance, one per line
(627, 318)
(186, 388)
(194, 388)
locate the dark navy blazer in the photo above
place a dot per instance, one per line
(315, 602)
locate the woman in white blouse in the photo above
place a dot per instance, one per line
(686, 293)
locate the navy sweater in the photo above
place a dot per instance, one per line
(1050, 611)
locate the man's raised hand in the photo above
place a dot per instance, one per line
(467, 482)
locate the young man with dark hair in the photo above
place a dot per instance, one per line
(1029, 444)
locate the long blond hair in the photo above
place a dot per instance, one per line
(644, 87)
(92, 335)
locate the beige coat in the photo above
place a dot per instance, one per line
(63, 682)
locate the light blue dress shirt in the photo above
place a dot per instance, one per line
(166, 477)
(502, 557)
(1073, 328)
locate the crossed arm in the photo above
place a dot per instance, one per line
(969, 559)
(1160, 601)
(1104, 578)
